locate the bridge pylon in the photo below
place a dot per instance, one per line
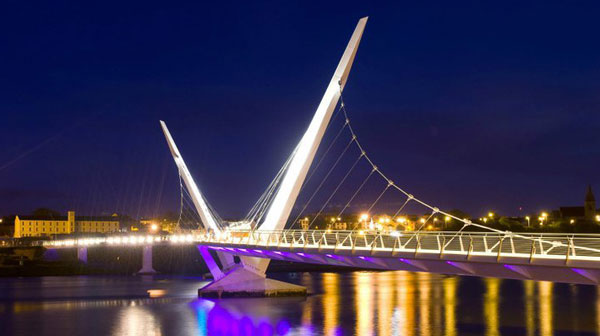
(248, 278)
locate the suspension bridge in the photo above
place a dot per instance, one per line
(266, 234)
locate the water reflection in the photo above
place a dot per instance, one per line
(137, 321)
(490, 306)
(357, 303)
(450, 306)
(529, 309)
(385, 302)
(545, 306)
(363, 284)
(331, 303)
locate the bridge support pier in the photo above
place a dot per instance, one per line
(82, 254)
(147, 261)
(242, 282)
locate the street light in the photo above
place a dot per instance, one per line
(491, 214)
(543, 218)
(528, 221)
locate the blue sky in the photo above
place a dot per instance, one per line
(470, 105)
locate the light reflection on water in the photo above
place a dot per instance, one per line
(358, 303)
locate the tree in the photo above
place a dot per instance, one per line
(459, 214)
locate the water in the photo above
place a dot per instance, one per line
(358, 303)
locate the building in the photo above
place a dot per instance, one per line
(586, 212)
(154, 225)
(337, 225)
(34, 226)
(304, 223)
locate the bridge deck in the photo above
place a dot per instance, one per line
(571, 258)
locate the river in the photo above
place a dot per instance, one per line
(354, 303)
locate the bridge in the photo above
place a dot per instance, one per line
(262, 236)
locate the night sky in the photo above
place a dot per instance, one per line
(476, 106)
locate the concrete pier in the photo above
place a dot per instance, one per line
(147, 261)
(241, 282)
(82, 254)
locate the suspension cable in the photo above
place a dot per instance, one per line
(180, 199)
(357, 190)
(402, 207)
(379, 197)
(314, 170)
(336, 189)
(326, 177)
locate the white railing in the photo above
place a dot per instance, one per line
(508, 244)
(529, 245)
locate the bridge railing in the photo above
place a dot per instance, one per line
(545, 245)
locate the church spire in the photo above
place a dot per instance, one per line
(589, 196)
(590, 204)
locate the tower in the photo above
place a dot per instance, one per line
(590, 204)
(249, 276)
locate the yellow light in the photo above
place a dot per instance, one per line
(364, 216)
(361, 232)
(490, 214)
(485, 220)
(435, 219)
(381, 220)
(154, 227)
(597, 218)
(401, 219)
(429, 227)
(572, 221)
(541, 218)
(339, 218)
(422, 220)
(527, 217)
(544, 214)
(447, 218)
(332, 219)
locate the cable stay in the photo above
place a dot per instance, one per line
(410, 197)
